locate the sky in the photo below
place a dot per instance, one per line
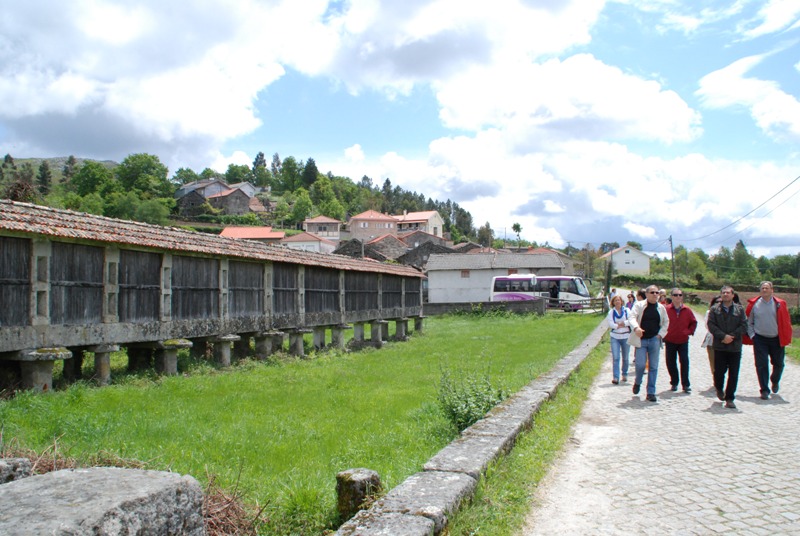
(584, 121)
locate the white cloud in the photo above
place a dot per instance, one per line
(776, 112)
(354, 153)
(579, 97)
(774, 16)
(642, 231)
(553, 207)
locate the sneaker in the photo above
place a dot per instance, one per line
(764, 395)
(615, 381)
(651, 398)
(636, 388)
(673, 388)
(624, 378)
(688, 390)
(720, 394)
(775, 387)
(730, 404)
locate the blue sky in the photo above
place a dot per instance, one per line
(585, 121)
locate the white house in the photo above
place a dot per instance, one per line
(628, 260)
(467, 277)
(309, 242)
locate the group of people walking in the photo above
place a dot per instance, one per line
(656, 319)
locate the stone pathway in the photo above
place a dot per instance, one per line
(682, 466)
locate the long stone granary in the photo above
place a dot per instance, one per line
(72, 282)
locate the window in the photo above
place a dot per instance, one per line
(464, 274)
(363, 224)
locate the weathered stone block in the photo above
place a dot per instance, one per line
(102, 500)
(366, 523)
(14, 468)
(353, 488)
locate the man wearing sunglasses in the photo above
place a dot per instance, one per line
(649, 322)
(682, 324)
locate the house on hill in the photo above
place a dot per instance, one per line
(627, 260)
(371, 224)
(323, 227)
(260, 234)
(309, 242)
(428, 221)
(467, 277)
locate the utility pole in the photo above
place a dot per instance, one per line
(672, 255)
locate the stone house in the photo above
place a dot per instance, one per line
(371, 224)
(232, 201)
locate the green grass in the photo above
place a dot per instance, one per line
(281, 430)
(505, 495)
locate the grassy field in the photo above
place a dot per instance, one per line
(281, 430)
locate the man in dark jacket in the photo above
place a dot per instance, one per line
(727, 323)
(769, 330)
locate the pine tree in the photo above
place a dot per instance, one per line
(44, 178)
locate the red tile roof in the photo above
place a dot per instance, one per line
(28, 220)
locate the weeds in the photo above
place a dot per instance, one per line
(466, 398)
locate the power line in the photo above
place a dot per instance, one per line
(743, 217)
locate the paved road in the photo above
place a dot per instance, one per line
(684, 465)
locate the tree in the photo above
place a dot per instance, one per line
(635, 245)
(185, 176)
(93, 177)
(745, 265)
(152, 211)
(310, 174)
(722, 262)
(237, 173)
(26, 173)
(261, 174)
(122, 205)
(517, 228)
(69, 169)
(605, 247)
(302, 206)
(210, 174)
(276, 166)
(485, 235)
(281, 212)
(289, 175)
(44, 178)
(146, 174)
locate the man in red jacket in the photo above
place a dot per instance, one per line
(769, 330)
(682, 324)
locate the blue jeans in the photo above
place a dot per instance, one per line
(766, 350)
(648, 353)
(619, 348)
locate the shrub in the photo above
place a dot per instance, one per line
(466, 399)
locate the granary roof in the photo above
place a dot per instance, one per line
(25, 219)
(467, 261)
(307, 237)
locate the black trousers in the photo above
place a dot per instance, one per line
(727, 362)
(675, 352)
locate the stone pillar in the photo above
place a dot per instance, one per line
(167, 356)
(241, 348)
(319, 337)
(401, 329)
(102, 362)
(358, 332)
(296, 342)
(377, 336)
(353, 488)
(37, 367)
(337, 335)
(418, 324)
(222, 349)
(267, 343)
